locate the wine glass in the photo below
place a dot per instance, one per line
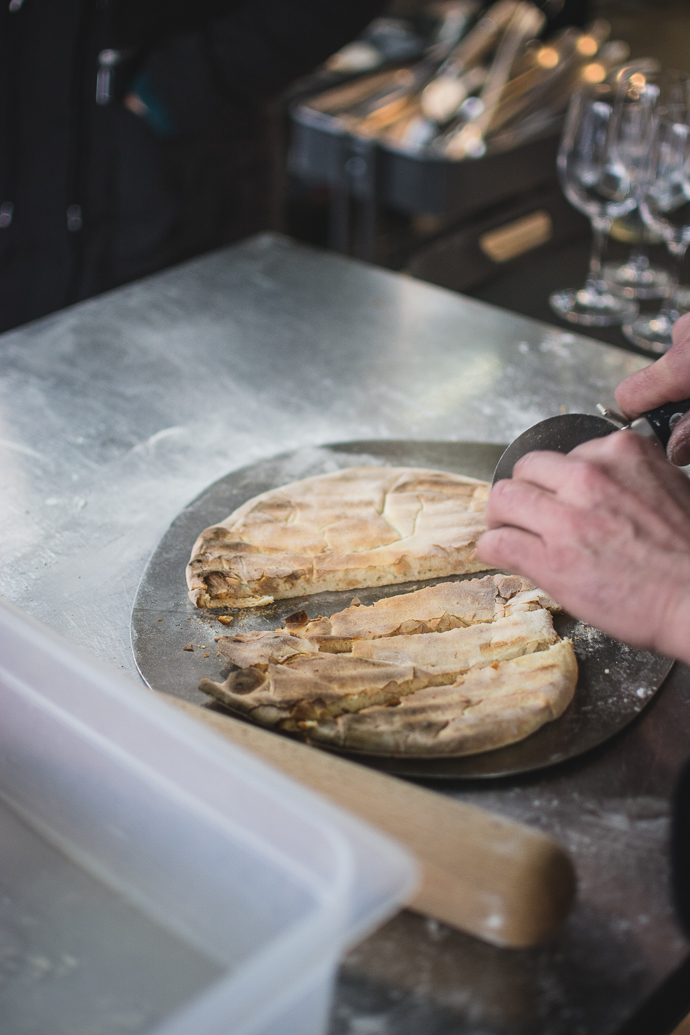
(597, 183)
(637, 277)
(636, 96)
(664, 201)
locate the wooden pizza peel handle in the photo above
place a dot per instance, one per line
(491, 877)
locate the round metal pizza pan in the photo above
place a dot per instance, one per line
(615, 681)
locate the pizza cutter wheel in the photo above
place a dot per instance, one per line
(615, 684)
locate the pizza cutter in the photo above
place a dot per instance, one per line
(567, 430)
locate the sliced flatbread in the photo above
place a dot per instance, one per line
(451, 653)
(307, 686)
(363, 526)
(493, 677)
(486, 709)
(295, 695)
(450, 605)
(261, 649)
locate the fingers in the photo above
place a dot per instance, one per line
(666, 380)
(574, 477)
(521, 504)
(621, 474)
(582, 476)
(605, 530)
(513, 549)
(641, 467)
(544, 467)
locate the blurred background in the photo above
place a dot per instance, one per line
(137, 135)
(452, 251)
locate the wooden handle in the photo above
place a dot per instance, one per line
(489, 876)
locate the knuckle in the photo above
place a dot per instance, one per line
(496, 498)
(527, 461)
(624, 444)
(587, 478)
(504, 493)
(499, 503)
(498, 539)
(500, 489)
(493, 546)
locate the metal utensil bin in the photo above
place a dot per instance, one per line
(376, 176)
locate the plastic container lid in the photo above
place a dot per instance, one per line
(260, 878)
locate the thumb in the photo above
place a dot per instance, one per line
(666, 380)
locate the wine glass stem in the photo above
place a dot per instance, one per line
(638, 255)
(600, 228)
(668, 309)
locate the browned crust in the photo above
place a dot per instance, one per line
(365, 526)
(458, 692)
(486, 709)
(309, 689)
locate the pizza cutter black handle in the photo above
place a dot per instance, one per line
(664, 418)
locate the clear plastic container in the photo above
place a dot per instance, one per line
(155, 878)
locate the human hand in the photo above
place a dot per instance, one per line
(605, 530)
(666, 380)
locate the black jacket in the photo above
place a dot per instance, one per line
(90, 195)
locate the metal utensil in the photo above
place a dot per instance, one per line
(384, 104)
(526, 23)
(567, 430)
(467, 56)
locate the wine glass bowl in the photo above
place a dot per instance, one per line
(665, 198)
(664, 201)
(593, 177)
(597, 182)
(636, 96)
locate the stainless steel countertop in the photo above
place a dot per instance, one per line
(116, 412)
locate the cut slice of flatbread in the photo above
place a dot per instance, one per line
(485, 709)
(309, 687)
(295, 695)
(374, 679)
(451, 653)
(450, 605)
(363, 526)
(261, 649)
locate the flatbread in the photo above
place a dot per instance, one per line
(484, 710)
(363, 526)
(311, 688)
(467, 689)
(451, 653)
(450, 605)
